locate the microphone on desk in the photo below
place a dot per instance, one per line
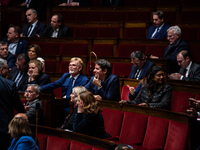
(91, 70)
(36, 125)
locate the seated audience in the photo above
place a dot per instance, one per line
(57, 28)
(32, 95)
(21, 133)
(4, 54)
(88, 119)
(18, 73)
(34, 52)
(176, 44)
(68, 123)
(16, 45)
(111, 2)
(189, 70)
(74, 3)
(104, 85)
(69, 80)
(140, 66)
(154, 93)
(34, 27)
(36, 75)
(159, 29)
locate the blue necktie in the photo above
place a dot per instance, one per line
(69, 90)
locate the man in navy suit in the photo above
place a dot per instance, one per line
(74, 3)
(111, 2)
(16, 45)
(104, 85)
(159, 29)
(189, 71)
(9, 100)
(57, 28)
(69, 80)
(34, 27)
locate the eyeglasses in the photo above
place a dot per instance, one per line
(180, 61)
(28, 91)
(19, 65)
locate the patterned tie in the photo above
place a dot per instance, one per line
(29, 30)
(155, 34)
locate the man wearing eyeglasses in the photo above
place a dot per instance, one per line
(189, 71)
(18, 73)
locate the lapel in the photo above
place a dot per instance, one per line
(191, 71)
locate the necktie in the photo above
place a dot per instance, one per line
(18, 79)
(155, 34)
(137, 74)
(29, 30)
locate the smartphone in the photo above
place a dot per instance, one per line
(185, 110)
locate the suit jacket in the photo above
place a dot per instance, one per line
(11, 60)
(160, 99)
(22, 83)
(162, 34)
(38, 29)
(109, 89)
(64, 31)
(90, 124)
(81, 2)
(194, 73)
(114, 3)
(23, 143)
(9, 100)
(145, 69)
(172, 50)
(31, 113)
(64, 82)
(22, 46)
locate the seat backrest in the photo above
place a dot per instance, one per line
(112, 121)
(121, 69)
(42, 141)
(156, 50)
(79, 146)
(133, 128)
(64, 66)
(177, 136)
(156, 133)
(180, 99)
(108, 32)
(103, 49)
(125, 93)
(54, 143)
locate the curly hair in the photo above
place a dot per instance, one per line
(151, 86)
(91, 105)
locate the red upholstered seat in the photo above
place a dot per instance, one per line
(85, 32)
(177, 136)
(112, 121)
(49, 49)
(58, 92)
(132, 130)
(79, 146)
(156, 50)
(125, 50)
(135, 33)
(129, 3)
(194, 50)
(86, 16)
(180, 99)
(64, 66)
(42, 141)
(54, 143)
(103, 49)
(125, 93)
(50, 66)
(121, 69)
(189, 33)
(133, 16)
(197, 96)
(95, 148)
(113, 16)
(188, 16)
(88, 67)
(156, 133)
(73, 49)
(108, 32)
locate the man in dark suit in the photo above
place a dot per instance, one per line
(34, 27)
(32, 95)
(159, 29)
(189, 71)
(9, 100)
(140, 66)
(111, 2)
(74, 3)
(18, 73)
(16, 45)
(104, 85)
(56, 28)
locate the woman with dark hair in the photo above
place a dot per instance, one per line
(88, 119)
(21, 133)
(154, 93)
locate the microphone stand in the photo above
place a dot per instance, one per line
(91, 71)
